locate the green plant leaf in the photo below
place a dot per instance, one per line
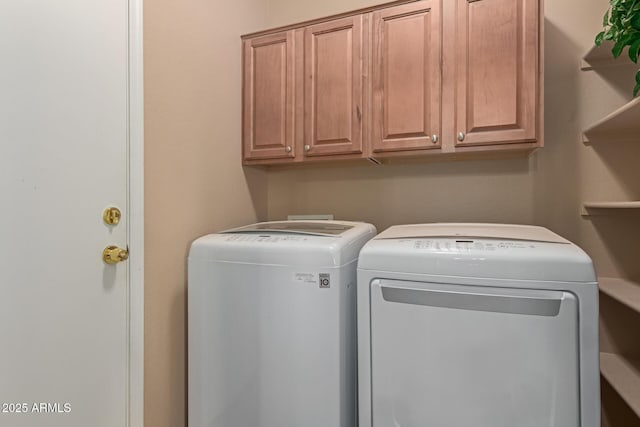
(635, 20)
(620, 45)
(634, 50)
(621, 25)
(617, 48)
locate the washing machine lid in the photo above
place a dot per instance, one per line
(286, 243)
(499, 251)
(316, 228)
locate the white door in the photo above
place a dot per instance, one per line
(63, 160)
(473, 356)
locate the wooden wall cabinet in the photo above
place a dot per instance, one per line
(409, 78)
(268, 97)
(496, 71)
(333, 88)
(406, 77)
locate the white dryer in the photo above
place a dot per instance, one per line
(477, 325)
(272, 325)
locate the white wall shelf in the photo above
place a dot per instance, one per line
(599, 57)
(610, 208)
(621, 125)
(622, 290)
(624, 376)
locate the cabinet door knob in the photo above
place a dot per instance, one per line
(307, 148)
(288, 149)
(434, 138)
(461, 136)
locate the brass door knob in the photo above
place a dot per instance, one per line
(114, 255)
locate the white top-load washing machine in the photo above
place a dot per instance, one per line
(477, 325)
(272, 325)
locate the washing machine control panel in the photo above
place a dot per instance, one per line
(264, 238)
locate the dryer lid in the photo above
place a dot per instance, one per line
(469, 230)
(491, 251)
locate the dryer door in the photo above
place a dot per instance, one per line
(470, 356)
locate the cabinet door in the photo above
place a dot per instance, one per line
(268, 94)
(406, 77)
(333, 87)
(496, 71)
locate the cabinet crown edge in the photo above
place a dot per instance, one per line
(315, 21)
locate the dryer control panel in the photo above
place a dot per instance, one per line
(456, 245)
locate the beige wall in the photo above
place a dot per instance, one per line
(491, 191)
(194, 182)
(546, 189)
(568, 171)
(283, 12)
(195, 185)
